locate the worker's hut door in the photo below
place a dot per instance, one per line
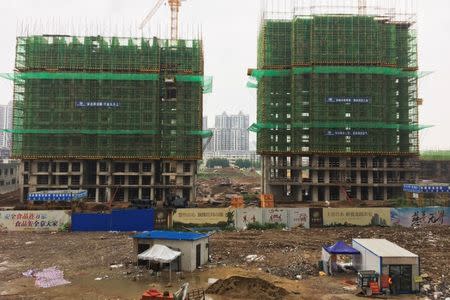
(198, 254)
(401, 278)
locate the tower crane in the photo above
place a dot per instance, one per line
(174, 9)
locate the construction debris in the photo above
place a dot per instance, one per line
(247, 288)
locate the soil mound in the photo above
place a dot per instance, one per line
(247, 288)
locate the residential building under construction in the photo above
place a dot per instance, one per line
(118, 117)
(337, 104)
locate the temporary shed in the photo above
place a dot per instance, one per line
(329, 255)
(194, 247)
(388, 259)
(161, 254)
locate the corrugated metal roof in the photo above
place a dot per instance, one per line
(170, 235)
(384, 248)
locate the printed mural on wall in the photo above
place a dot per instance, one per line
(34, 220)
(420, 216)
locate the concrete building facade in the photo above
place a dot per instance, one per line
(9, 176)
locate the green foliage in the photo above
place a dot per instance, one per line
(217, 162)
(259, 226)
(243, 163)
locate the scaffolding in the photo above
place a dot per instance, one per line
(336, 83)
(108, 98)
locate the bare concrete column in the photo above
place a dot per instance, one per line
(326, 176)
(97, 181)
(315, 177)
(140, 181)
(370, 193)
(152, 180)
(358, 177)
(126, 190)
(300, 194)
(315, 194)
(358, 193)
(369, 162)
(21, 179)
(327, 193)
(342, 162)
(265, 174)
(385, 194)
(109, 189)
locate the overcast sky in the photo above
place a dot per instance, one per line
(229, 29)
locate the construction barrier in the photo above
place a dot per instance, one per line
(203, 217)
(298, 217)
(356, 216)
(118, 220)
(34, 220)
(245, 216)
(420, 216)
(315, 217)
(163, 218)
(275, 215)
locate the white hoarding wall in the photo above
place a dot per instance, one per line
(245, 216)
(275, 215)
(298, 217)
(34, 220)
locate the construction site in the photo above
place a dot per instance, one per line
(119, 117)
(337, 104)
(108, 141)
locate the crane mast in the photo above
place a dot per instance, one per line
(174, 11)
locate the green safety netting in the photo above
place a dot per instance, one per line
(206, 81)
(202, 133)
(388, 71)
(79, 76)
(256, 127)
(435, 155)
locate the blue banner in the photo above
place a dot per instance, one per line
(423, 188)
(350, 100)
(420, 216)
(338, 132)
(97, 104)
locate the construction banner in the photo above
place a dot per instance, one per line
(298, 217)
(34, 220)
(356, 216)
(245, 216)
(163, 218)
(315, 217)
(204, 217)
(420, 216)
(275, 215)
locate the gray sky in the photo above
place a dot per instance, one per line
(229, 29)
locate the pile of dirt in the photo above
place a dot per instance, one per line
(247, 288)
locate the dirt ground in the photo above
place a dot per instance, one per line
(280, 257)
(220, 184)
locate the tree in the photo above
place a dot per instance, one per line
(217, 162)
(243, 163)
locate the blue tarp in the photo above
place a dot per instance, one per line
(118, 220)
(170, 235)
(341, 248)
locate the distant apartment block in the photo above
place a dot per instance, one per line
(230, 134)
(5, 123)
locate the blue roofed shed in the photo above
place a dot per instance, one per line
(194, 247)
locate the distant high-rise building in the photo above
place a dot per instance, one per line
(230, 133)
(5, 123)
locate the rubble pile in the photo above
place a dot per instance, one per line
(297, 252)
(247, 288)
